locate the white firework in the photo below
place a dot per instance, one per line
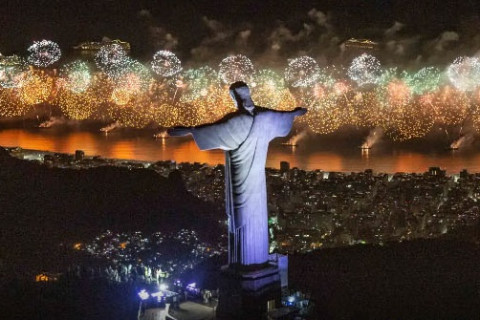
(302, 72)
(43, 53)
(111, 59)
(364, 70)
(464, 73)
(236, 68)
(166, 64)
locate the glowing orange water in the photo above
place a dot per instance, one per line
(144, 147)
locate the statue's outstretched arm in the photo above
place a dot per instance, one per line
(299, 111)
(179, 131)
(184, 131)
(281, 121)
(226, 134)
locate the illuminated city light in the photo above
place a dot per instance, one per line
(163, 286)
(143, 294)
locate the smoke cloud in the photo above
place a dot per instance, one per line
(158, 38)
(321, 35)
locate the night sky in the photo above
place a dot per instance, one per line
(205, 30)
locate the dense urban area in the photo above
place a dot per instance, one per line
(313, 209)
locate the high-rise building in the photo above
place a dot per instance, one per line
(284, 166)
(79, 155)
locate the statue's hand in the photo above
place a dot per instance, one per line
(299, 111)
(179, 131)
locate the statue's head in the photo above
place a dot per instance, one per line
(240, 94)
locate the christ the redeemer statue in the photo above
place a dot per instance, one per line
(244, 135)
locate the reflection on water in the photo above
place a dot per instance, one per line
(142, 146)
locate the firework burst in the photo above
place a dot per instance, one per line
(197, 83)
(267, 86)
(302, 72)
(111, 59)
(166, 64)
(365, 70)
(76, 76)
(43, 53)
(12, 71)
(464, 73)
(236, 68)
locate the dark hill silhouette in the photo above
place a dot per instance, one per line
(43, 207)
(421, 279)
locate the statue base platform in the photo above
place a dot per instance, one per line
(254, 280)
(248, 294)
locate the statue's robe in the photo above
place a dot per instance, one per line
(245, 137)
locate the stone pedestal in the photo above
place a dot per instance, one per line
(246, 294)
(254, 280)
